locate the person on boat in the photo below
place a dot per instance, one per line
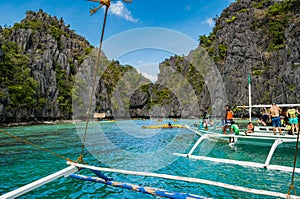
(234, 128)
(261, 122)
(205, 118)
(250, 128)
(266, 120)
(282, 121)
(170, 125)
(285, 116)
(274, 111)
(228, 118)
(293, 119)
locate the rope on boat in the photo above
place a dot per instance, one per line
(105, 3)
(146, 190)
(187, 179)
(294, 168)
(35, 145)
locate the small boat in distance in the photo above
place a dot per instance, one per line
(164, 126)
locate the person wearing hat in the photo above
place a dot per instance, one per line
(274, 111)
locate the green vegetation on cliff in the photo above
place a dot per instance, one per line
(39, 58)
(15, 77)
(274, 20)
(271, 18)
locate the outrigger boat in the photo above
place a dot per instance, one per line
(262, 136)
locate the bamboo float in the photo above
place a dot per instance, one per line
(188, 179)
(146, 190)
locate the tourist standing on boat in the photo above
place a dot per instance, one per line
(228, 118)
(293, 119)
(274, 111)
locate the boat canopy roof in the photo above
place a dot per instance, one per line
(269, 105)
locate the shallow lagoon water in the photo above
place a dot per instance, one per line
(125, 145)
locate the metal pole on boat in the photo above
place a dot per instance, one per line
(249, 90)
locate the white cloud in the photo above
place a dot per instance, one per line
(152, 78)
(149, 70)
(120, 10)
(209, 22)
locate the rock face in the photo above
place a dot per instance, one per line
(39, 57)
(118, 92)
(47, 71)
(260, 38)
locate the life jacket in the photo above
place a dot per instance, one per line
(292, 113)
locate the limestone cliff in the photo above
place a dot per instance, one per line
(260, 38)
(40, 56)
(47, 73)
(47, 70)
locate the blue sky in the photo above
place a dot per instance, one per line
(189, 17)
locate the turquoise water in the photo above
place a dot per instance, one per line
(124, 145)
